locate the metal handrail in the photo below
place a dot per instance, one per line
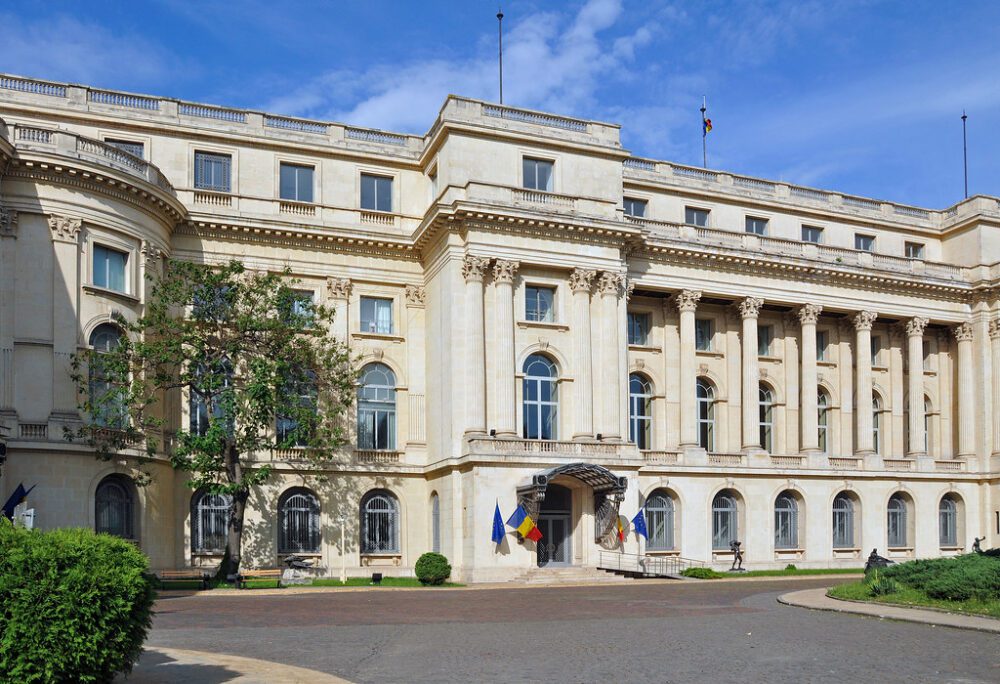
(646, 565)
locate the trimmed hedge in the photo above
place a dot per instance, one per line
(74, 605)
(960, 578)
(432, 568)
(701, 573)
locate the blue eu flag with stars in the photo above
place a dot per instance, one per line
(639, 521)
(498, 530)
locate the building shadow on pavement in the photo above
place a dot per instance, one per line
(159, 668)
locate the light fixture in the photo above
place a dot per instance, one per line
(599, 436)
(493, 433)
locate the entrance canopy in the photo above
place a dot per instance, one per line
(597, 477)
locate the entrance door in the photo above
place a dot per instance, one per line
(555, 524)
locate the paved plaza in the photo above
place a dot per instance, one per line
(650, 632)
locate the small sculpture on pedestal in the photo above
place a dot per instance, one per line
(734, 546)
(876, 561)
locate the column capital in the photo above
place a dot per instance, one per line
(581, 280)
(474, 268)
(963, 332)
(915, 326)
(610, 284)
(8, 223)
(864, 320)
(809, 313)
(151, 254)
(338, 288)
(995, 333)
(750, 307)
(415, 295)
(65, 229)
(687, 300)
(504, 271)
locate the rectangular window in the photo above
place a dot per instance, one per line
(638, 328)
(914, 250)
(876, 349)
(212, 171)
(812, 234)
(822, 343)
(109, 268)
(865, 243)
(765, 340)
(376, 315)
(635, 207)
(539, 304)
(704, 330)
(296, 183)
(696, 217)
(300, 307)
(757, 226)
(133, 148)
(537, 174)
(376, 193)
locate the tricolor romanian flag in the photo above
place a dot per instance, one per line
(621, 530)
(706, 126)
(523, 523)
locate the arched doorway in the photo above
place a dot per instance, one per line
(555, 520)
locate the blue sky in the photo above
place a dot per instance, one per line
(858, 96)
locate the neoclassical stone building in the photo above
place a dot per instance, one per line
(539, 317)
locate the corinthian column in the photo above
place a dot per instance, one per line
(863, 322)
(749, 309)
(609, 286)
(915, 360)
(966, 392)
(995, 346)
(504, 374)
(474, 270)
(8, 235)
(687, 303)
(808, 315)
(66, 284)
(580, 282)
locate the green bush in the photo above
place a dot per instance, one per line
(880, 585)
(432, 568)
(960, 578)
(791, 566)
(701, 573)
(74, 605)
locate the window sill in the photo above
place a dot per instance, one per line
(825, 363)
(709, 352)
(644, 348)
(378, 336)
(769, 358)
(114, 294)
(542, 324)
(877, 367)
(951, 548)
(394, 559)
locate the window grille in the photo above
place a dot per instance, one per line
(114, 508)
(725, 521)
(660, 522)
(380, 523)
(212, 171)
(786, 522)
(298, 515)
(843, 522)
(948, 522)
(897, 522)
(110, 408)
(209, 522)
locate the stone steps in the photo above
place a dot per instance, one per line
(569, 575)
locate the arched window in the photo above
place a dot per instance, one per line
(786, 522)
(843, 522)
(435, 523)
(541, 402)
(298, 522)
(209, 518)
(106, 398)
(948, 521)
(287, 428)
(823, 420)
(897, 522)
(379, 522)
(706, 415)
(766, 418)
(640, 413)
(114, 507)
(660, 521)
(377, 408)
(876, 423)
(725, 520)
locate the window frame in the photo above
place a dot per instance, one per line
(548, 316)
(920, 251)
(307, 522)
(660, 511)
(640, 411)
(695, 211)
(843, 529)
(822, 345)
(749, 220)
(527, 158)
(786, 522)
(765, 350)
(126, 267)
(228, 161)
(378, 409)
(297, 167)
(547, 430)
(859, 240)
(632, 203)
(126, 515)
(706, 419)
(376, 176)
(710, 339)
(127, 146)
(725, 509)
(633, 318)
(897, 522)
(219, 509)
(387, 524)
(380, 304)
(766, 406)
(948, 522)
(819, 234)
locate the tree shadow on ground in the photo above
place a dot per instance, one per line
(159, 668)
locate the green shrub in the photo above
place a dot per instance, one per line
(74, 605)
(791, 566)
(959, 578)
(701, 573)
(432, 568)
(880, 585)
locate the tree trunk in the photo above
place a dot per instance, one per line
(234, 533)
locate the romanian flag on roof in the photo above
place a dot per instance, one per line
(706, 126)
(523, 523)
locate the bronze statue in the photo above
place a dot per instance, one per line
(876, 561)
(734, 546)
(976, 548)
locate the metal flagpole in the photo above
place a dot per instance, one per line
(500, 36)
(965, 156)
(704, 134)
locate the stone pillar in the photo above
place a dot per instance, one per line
(966, 392)
(580, 282)
(66, 288)
(8, 235)
(863, 322)
(749, 310)
(808, 316)
(687, 303)
(505, 372)
(915, 361)
(338, 292)
(609, 286)
(416, 363)
(995, 346)
(474, 271)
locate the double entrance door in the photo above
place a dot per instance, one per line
(555, 524)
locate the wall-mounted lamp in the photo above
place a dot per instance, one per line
(493, 433)
(599, 436)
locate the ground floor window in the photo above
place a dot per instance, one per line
(298, 522)
(660, 521)
(725, 520)
(380, 522)
(209, 521)
(843, 522)
(114, 505)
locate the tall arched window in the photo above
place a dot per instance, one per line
(897, 522)
(209, 518)
(725, 520)
(298, 522)
(876, 423)
(706, 415)
(843, 522)
(114, 507)
(379, 522)
(640, 413)
(660, 521)
(541, 402)
(948, 521)
(766, 418)
(823, 420)
(109, 407)
(435, 523)
(377, 408)
(786, 522)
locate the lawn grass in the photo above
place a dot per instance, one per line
(908, 596)
(801, 571)
(386, 582)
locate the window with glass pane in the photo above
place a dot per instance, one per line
(822, 345)
(379, 523)
(290, 430)
(696, 217)
(212, 171)
(897, 522)
(376, 315)
(757, 226)
(114, 508)
(540, 401)
(914, 250)
(376, 193)
(210, 393)
(725, 521)
(765, 340)
(296, 183)
(876, 420)
(659, 512)
(706, 415)
(786, 522)
(823, 420)
(298, 522)
(843, 522)
(109, 268)
(640, 413)
(812, 234)
(635, 207)
(876, 349)
(766, 418)
(638, 328)
(134, 148)
(704, 331)
(865, 243)
(209, 516)
(539, 303)
(948, 522)
(537, 174)
(107, 397)
(377, 408)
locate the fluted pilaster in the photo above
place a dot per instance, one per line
(749, 309)
(915, 360)
(474, 272)
(995, 350)
(609, 288)
(580, 283)
(504, 378)
(864, 411)
(687, 304)
(808, 316)
(966, 392)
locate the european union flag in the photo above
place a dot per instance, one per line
(19, 495)
(639, 521)
(497, 525)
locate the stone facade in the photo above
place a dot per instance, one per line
(690, 362)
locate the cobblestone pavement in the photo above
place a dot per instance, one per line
(676, 632)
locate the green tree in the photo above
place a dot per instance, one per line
(256, 360)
